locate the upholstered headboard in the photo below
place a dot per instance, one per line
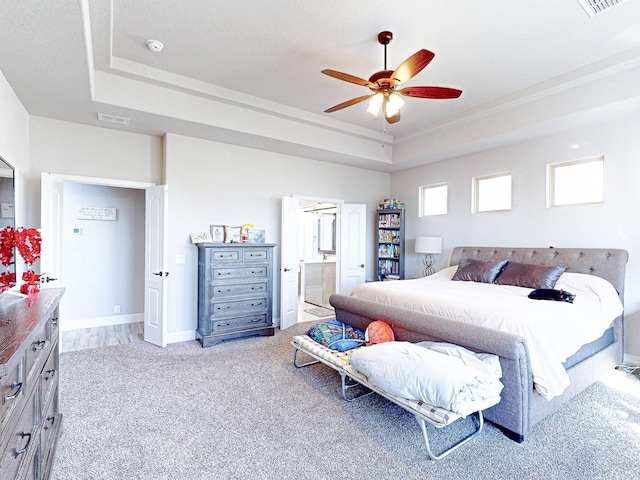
(607, 263)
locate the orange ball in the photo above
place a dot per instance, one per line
(378, 332)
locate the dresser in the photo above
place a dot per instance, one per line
(31, 420)
(235, 290)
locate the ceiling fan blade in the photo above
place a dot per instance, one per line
(348, 103)
(430, 92)
(412, 65)
(348, 78)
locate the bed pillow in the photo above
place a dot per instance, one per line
(530, 276)
(484, 271)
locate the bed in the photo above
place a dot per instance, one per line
(524, 401)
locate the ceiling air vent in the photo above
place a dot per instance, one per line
(596, 7)
(106, 117)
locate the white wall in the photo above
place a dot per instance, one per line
(104, 264)
(213, 183)
(74, 149)
(613, 224)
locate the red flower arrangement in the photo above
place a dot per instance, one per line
(27, 241)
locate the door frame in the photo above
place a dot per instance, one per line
(60, 178)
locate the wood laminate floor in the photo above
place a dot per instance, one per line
(85, 338)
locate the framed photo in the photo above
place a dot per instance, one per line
(232, 234)
(256, 236)
(217, 233)
(202, 237)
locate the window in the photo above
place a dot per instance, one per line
(433, 200)
(575, 183)
(492, 193)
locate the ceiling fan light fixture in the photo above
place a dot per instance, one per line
(394, 104)
(375, 104)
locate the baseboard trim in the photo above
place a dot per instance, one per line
(632, 360)
(67, 325)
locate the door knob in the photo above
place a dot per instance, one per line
(161, 274)
(362, 265)
(286, 269)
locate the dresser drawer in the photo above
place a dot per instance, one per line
(225, 255)
(13, 395)
(37, 351)
(253, 305)
(253, 254)
(49, 377)
(241, 289)
(50, 426)
(235, 273)
(238, 323)
(20, 440)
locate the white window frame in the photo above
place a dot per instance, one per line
(475, 191)
(552, 186)
(423, 204)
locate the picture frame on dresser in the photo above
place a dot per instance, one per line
(232, 234)
(217, 233)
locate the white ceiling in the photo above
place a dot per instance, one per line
(248, 71)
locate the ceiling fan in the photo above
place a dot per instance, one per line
(386, 84)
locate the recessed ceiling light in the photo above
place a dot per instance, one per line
(106, 117)
(155, 45)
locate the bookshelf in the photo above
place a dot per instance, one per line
(390, 244)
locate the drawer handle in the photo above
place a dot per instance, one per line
(39, 345)
(224, 273)
(228, 255)
(51, 420)
(20, 451)
(259, 304)
(50, 374)
(18, 387)
(224, 308)
(257, 288)
(222, 290)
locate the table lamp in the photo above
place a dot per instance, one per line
(429, 246)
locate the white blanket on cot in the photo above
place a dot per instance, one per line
(553, 330)
(441, 375)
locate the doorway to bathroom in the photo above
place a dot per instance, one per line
(317, 275)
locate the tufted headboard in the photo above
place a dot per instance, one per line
(607, 263)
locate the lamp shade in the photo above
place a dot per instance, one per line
(428, 245)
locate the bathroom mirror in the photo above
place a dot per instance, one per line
(7, 198)
(327, 233)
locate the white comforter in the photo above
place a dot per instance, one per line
(553, 330)
(439, 374)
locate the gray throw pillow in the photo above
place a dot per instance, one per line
(531, 276)
(484, 271)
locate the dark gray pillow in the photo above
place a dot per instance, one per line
(484, 271)
(531, 276)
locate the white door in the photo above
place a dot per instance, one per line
(155, 283)
(51, 229)
(353, 246)
(289, 263)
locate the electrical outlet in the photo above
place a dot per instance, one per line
(116, 309)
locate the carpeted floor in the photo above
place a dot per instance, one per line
(240, 410)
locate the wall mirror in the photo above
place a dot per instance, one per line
(7, 198)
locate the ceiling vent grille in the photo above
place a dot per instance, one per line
(596, 7)
(106, 117)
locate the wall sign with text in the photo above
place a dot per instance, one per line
(96, 213)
